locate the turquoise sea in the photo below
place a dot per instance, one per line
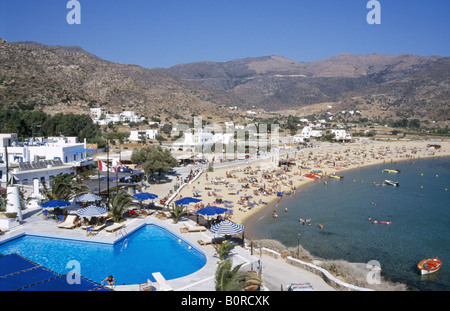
(419, 212)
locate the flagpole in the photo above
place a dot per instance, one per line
(107, 170)
(98, 173)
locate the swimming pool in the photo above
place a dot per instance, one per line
(131, 260)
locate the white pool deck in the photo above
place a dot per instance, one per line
(276, 272)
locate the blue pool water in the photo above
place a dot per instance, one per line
(132, 260)
(419, 210)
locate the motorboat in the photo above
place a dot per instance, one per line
(336, 176)
(391, 171)
(428, 266)
(380, 185)
(392, 183)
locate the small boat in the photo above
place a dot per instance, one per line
(392, 183)
(336, 176)
(380, 185)
(391, 171)
(312, 176)
(428, 266)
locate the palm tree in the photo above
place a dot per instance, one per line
(224, 249)
(231, 279)
(65, 187)
(178, 212)
(119, 204)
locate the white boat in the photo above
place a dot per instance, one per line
(392, 183)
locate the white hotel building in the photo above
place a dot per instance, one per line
(42, 159)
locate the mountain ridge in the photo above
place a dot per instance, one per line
(278, 83)
(69, 78)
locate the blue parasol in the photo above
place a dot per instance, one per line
(212, 210)
(227, 227)
(187, 200)
(88, 197)
(55, 203)
(92, 211)
(145, 196)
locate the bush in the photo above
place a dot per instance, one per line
(11, 215)
(295, 252)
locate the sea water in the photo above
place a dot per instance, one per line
(418, 209)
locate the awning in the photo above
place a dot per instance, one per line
(80, 150)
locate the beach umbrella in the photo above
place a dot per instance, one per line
(227, 227)
(212, 210)
(88, 197)
(92, 211)
(55, 203)
(145, 196)
(187, 200)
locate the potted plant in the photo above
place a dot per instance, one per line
(10, 220)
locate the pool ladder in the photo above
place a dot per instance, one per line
(122, 232)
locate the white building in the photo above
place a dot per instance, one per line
(143, 134)
(106, 118)
(308, 132)
(341, 135)
(98, 112)
(42, 158)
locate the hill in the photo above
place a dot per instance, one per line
(69, 79)
(391, 85)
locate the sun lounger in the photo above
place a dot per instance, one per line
(146, 287)
(163, 285)
(69, 223)
(163, 215)
(205, 241)
(189, 228)
(99, 227)
(114, 227)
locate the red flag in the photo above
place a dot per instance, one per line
(103, 167)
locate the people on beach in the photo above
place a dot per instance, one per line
(320, 226)
(274, 215)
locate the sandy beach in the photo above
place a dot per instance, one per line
(246, 189)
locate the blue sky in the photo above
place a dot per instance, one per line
(163, 33)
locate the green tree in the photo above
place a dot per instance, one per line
(153, 159)
(119, 204)
(65, 187)
(414, 123)
(178, 212)
(225, 248)
(229, 278)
